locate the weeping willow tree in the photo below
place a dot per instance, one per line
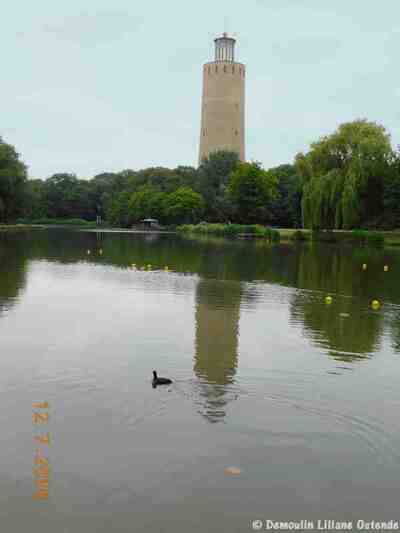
(343, 176)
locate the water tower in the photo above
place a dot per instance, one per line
(223, 106)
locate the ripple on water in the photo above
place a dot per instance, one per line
(299, 392)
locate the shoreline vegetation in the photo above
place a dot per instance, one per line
(78, 222)
(237, 231)
(231, 230)
(346, 180)
(355, 236)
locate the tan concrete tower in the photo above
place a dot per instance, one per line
(223, 105)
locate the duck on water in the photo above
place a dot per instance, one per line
(160, 381)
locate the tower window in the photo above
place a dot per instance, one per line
(236, 132)
(224, 68)
(216, 68)
(209, 70)
(240, 71)
(233, 70)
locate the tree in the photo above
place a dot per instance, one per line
(13, 179)
(101, 189)
(285, 208)
(213, 180)
(117, 211)
(66, 196)
(343, 176)
(35, 205)
(188, 176)
(165, 179)
(251, 189)
(183, 206)
(147, 202)
(391, 194)
(129, 196)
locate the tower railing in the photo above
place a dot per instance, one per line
(225, 48)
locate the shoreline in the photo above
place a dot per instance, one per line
(11, 227)
(127, 230)
(391, 237)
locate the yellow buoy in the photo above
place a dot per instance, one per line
(133, 265)
(166, 268)
(88, 252)
(364, 267)
(101, 251)
(375, 304)
(328, 300)
(148, 266)
(385, 268)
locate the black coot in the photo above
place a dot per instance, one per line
(160, 381)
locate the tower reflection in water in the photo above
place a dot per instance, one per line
(216, 345)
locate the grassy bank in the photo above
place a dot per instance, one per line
(22, 227)
(78, 222)
(231, 230)
(392, 238)
(356, 236)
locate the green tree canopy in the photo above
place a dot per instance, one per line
(67, 196)
(343, 176)
(213, 179)
(391, 194)
(117, 210)
(35, 206)
(183, 206)
(285, 208)
(13, 179)
(251, 189)
(147, 202)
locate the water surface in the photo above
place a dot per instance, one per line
(301, 396)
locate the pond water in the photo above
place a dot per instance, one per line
(302, 398)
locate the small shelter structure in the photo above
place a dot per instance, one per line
(150, 223)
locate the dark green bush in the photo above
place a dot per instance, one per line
(231, 230)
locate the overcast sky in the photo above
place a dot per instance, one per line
(92, 86)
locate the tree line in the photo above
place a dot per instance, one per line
(348, 179)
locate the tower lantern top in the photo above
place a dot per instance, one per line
(225, 48)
